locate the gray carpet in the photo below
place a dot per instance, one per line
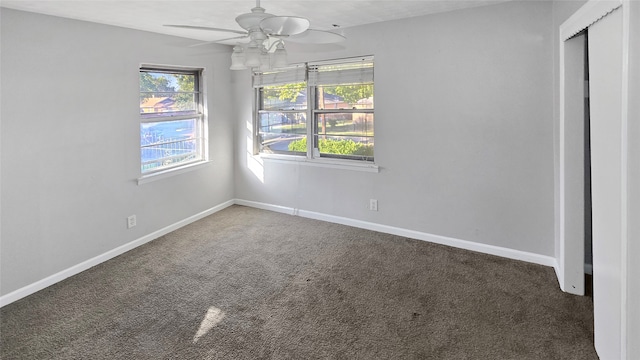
(251, 284)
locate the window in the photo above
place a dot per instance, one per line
(281, 118)
(343, 109)
(328, 102)
(171, 118)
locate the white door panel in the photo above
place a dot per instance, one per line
(605, 75)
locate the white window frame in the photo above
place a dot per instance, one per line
(291, 75)
(199, 115)
(312, 156)
(338, 72)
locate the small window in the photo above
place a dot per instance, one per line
(282, 118)
(343, 118)
(281, 111)
(171, 119)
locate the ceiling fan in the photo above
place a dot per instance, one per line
(265, 31)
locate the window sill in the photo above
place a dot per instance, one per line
(171, 172)
(354, 165)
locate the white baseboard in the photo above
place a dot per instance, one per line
(437, 239)
(463, 244)
(263, 206)
(85, 265)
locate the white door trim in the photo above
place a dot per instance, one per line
(587, 15)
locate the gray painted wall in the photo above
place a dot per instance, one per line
(464, 130)
(70, 142)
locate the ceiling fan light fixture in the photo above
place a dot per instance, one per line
(265, 60)
(280, 56)
(238, 58)
(252, 55)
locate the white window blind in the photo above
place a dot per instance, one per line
(330, 73)
(290, 75)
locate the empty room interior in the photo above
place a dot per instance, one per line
(320, 179)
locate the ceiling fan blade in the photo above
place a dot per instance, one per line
(207, 28)
(233, 38)
(312, 36)
(284, 25)
(219, 41)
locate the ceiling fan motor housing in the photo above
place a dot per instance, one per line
(251, 21)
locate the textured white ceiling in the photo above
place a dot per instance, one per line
(150, 15)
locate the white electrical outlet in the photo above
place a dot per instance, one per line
(131, 221)
(373, 204)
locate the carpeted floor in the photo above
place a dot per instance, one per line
(251, 284)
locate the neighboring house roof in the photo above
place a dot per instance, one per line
(157, 104)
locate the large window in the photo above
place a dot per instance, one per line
(171, 119)
(328, 102)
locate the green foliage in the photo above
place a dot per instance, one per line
(298, 145)
(150, 84)
(289, 92)
(329, 146)
(286, 92)
(179, 87)
(340, 147)
(364, 150)
(351, 93)
(186, 83)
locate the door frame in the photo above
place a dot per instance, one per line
(567, 267)
(588, 14)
